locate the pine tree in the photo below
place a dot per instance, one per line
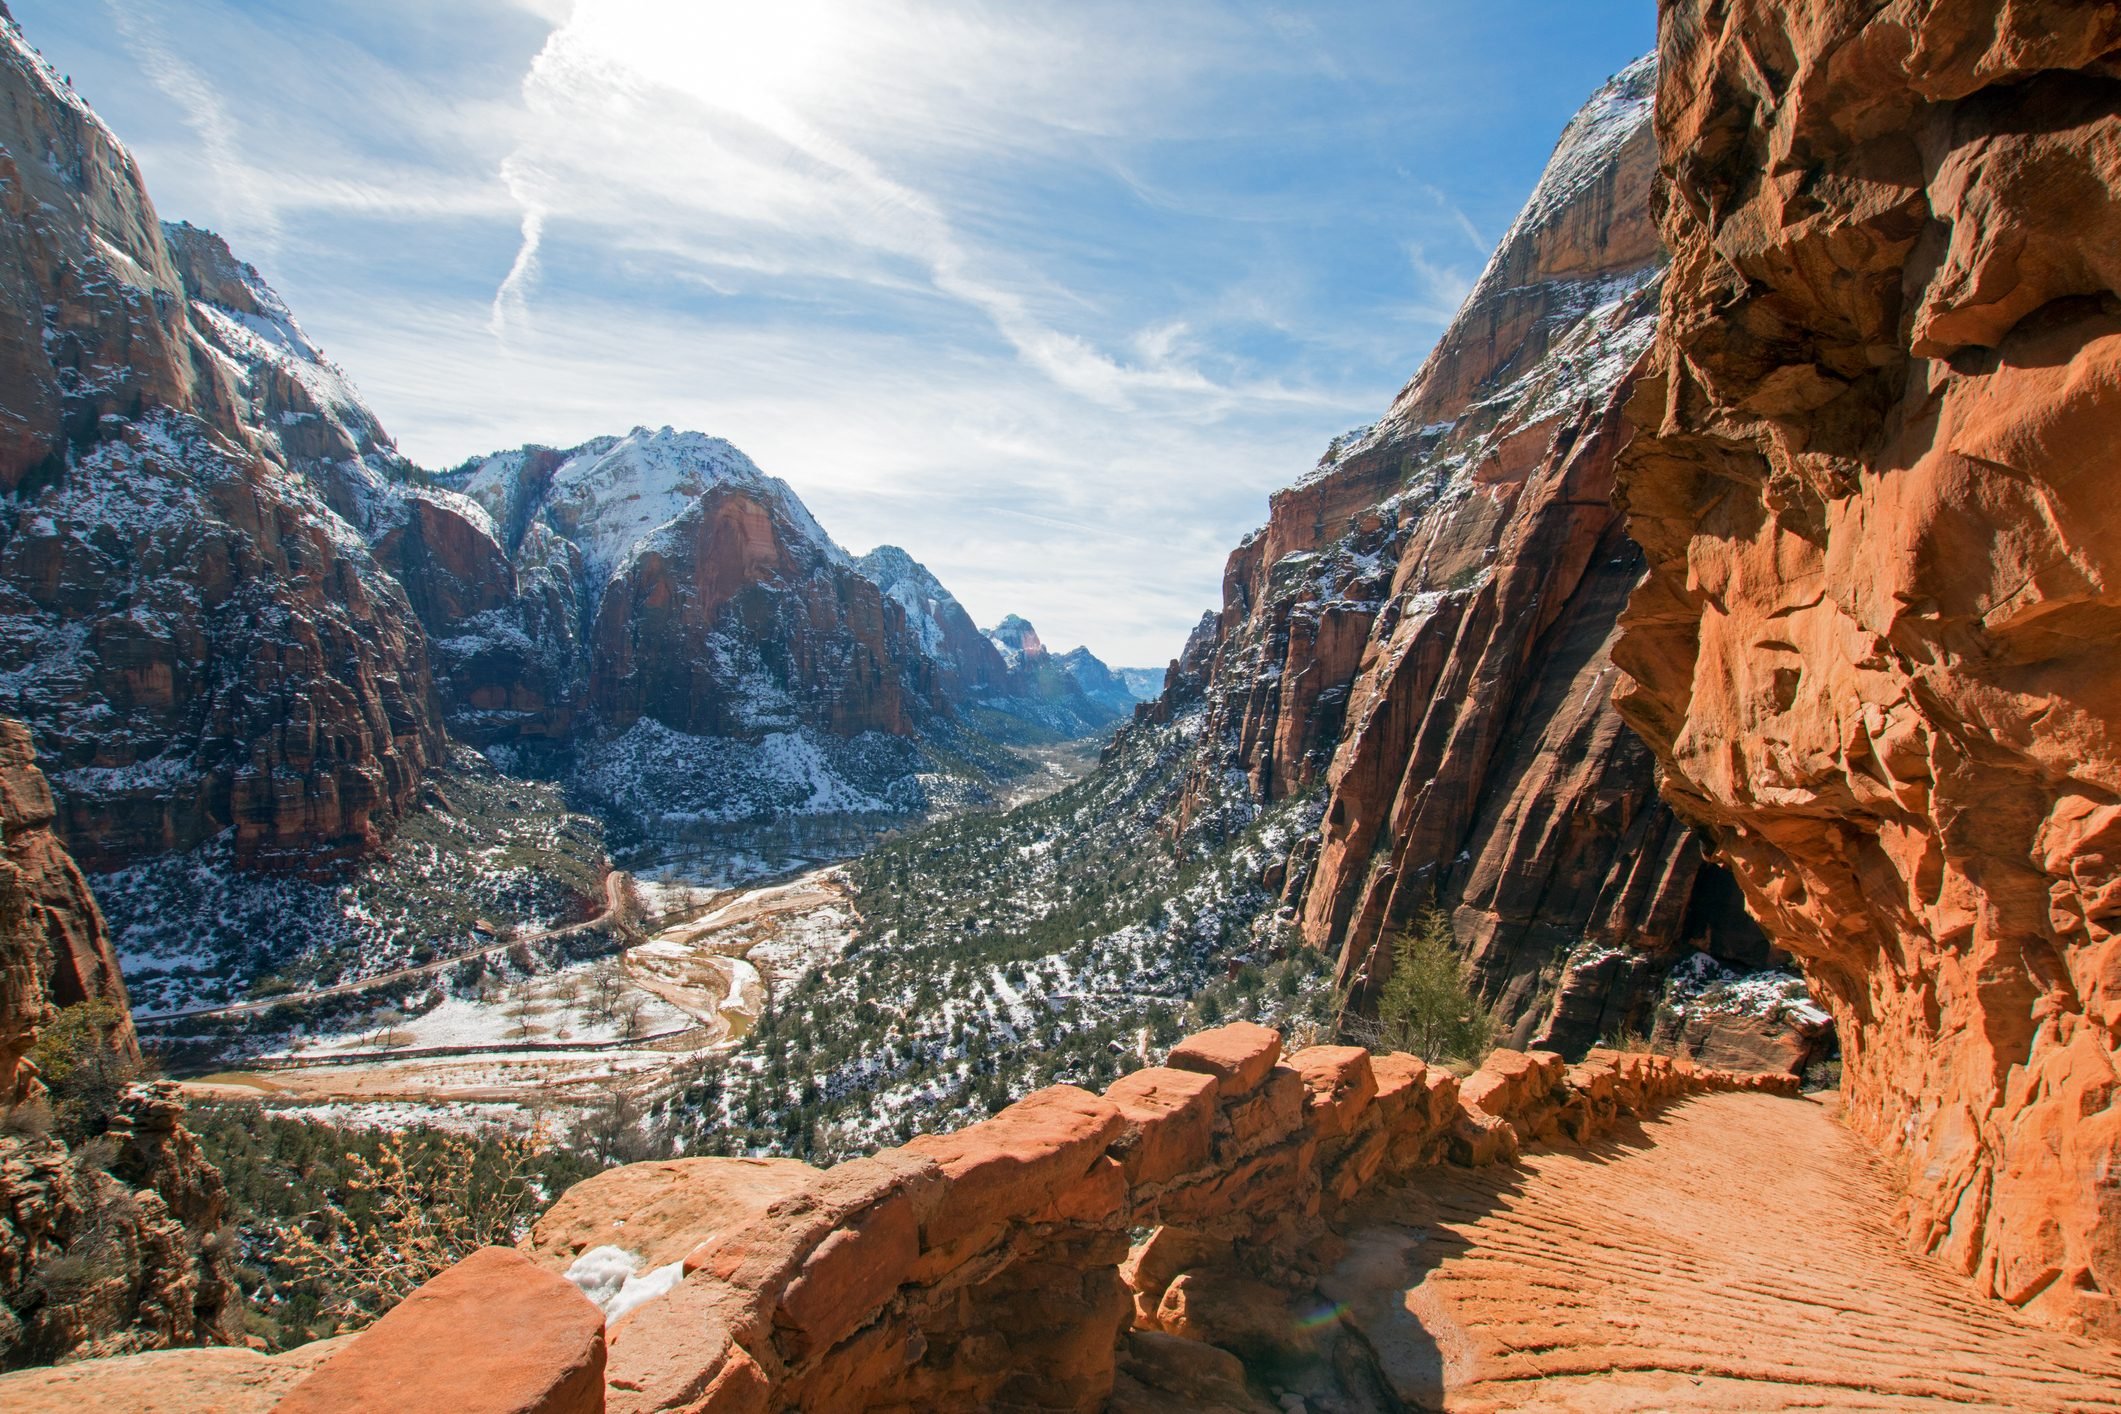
(1427, 1006)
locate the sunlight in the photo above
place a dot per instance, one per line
(755, 60)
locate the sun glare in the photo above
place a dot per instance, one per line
(755, 59)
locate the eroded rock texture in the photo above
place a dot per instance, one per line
(114, 1245)
(56, 950)
(200, 639)
(1879, 649)
(1423, 632)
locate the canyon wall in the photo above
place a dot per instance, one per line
(997, 1267)
(1878, 652)
(1422, 631)
(115, 1244)
(57, 952)
(183, 616)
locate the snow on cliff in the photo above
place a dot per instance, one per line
(909, 583)
(610, 494)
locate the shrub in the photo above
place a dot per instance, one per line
(86, 1065)
(407, 1210)
(1428, 1006)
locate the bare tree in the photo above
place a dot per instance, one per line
(606, 982)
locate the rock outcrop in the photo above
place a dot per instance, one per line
(116, 1244)
(1878, 653)
(56, 951)
(1422, 632)
(990, 1268)
(199, 639)
(662, 575)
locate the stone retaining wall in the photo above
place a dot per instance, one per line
(996, 1267)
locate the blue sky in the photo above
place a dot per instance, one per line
(1052, 295)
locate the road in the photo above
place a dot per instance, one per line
(614, 884)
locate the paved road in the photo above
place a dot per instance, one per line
(614, 883)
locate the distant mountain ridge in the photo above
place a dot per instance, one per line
(230, 605)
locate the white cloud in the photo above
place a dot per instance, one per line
(718, 132)
(1110, 531)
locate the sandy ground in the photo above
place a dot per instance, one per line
(1736, 1253)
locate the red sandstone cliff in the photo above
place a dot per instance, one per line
(660, 575)
(57, 951)
(182, 613)
(1879, 650)
(119, 1249)
(1422, 631)
(732, 621)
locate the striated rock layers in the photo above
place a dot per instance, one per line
(200, 640)
(1075, 1252)
(1879, 649)
(57, 952)
(1423, 631)
(115, 1245)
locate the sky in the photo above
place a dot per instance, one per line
(1050, 294)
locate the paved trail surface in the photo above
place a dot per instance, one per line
(1735, 1253)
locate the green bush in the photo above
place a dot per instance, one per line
(86, 1065)
(1428, 1006)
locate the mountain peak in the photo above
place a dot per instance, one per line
(1018, 641)
(610, 494)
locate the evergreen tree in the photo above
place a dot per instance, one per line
(1427, 1006)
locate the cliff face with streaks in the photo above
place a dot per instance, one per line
(1423, 630)
(201, 641)
(1878, 653)
(114, 1244)
(57, 951)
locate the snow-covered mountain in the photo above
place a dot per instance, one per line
(611, 495)
(229, 604)
(1108, 687)
(192, 620)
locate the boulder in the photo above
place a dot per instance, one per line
(661, 1211)
(1239, 1056)
(1339, 1085)
(494, 1334)
(1020, 1161)
(1170, 1117)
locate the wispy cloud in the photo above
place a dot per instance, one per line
(1052, 295)
(777, 145)
(218, 138)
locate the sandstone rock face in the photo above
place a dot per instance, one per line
(222, 1380)
(1876, 651)
(198, 636)
(662, 575)
(104, 1250)
(117, 1246)
(1422, 632)
(983, 1269)
(492, 1335)
(56, 951)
